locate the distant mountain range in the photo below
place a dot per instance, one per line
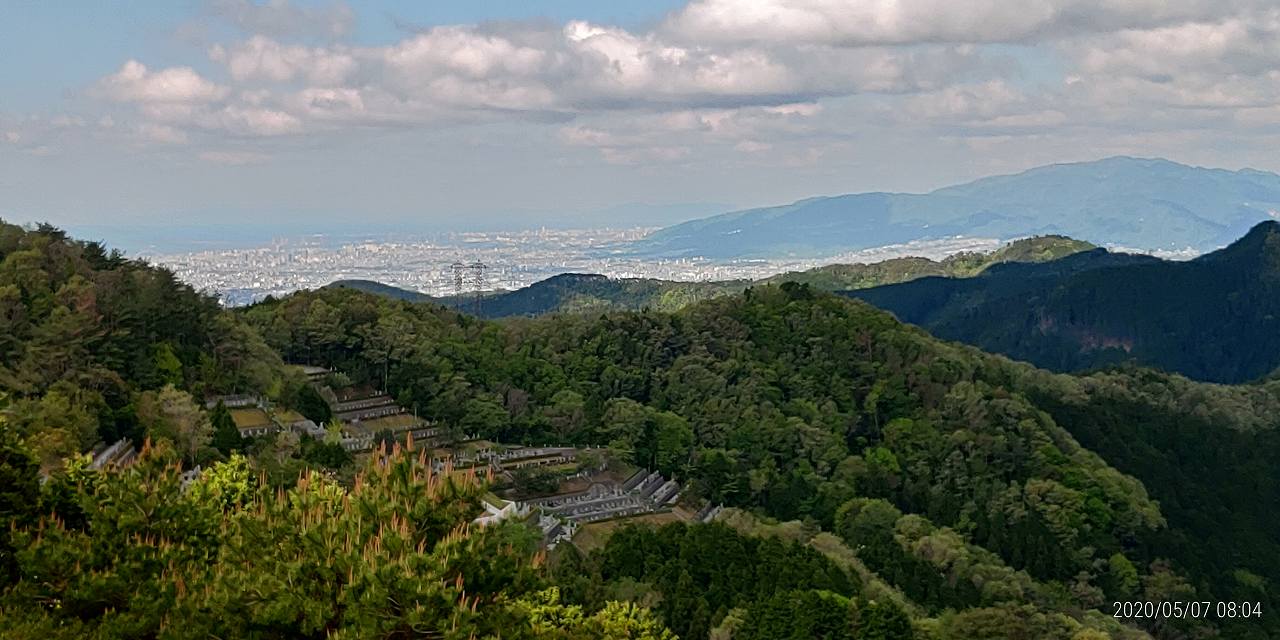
(579, 292)
(1215, 318)
(1147, 204)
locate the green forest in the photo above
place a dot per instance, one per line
(880, 483)
(1215, 318)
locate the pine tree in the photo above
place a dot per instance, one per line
(19, 495)
(226, 437)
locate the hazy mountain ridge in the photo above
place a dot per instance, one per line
(1214, 318)
(1152, 204)
(378, 288)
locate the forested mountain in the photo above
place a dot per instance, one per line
(881, 483)
(97, 347)
(1132, 202)
(579, 292)
(83, 331)
(565, 293)
(378, 288)
(800, 405)
(839, 277)
(1214, 318)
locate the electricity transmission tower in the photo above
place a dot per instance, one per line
(459, 272)
(469, 283)
(477, 272)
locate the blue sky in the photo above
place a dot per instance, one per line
(299, 114)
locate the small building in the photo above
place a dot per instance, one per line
(313, 373)
(119, 454)
(294, 421)
(253, 422)
(496, 510)
(234, 401)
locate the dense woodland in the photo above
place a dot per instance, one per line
(795, 403)
(942, 492)
(88, 339)
(1214, 318)
(136, 554)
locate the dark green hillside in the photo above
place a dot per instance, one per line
(566, 293)
(1036, 249)
(377, 288)
(1214, 318)
(84, 330)
(702, 570)
(962, 265)
(795, 403)
(1205, 452)
(585, 293)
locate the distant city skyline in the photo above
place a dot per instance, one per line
(313, 115)
(512, 260)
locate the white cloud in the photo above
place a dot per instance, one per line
(1228, 63)
(687, 134)
(582, 67)
(590, 137)
(465, 51)
(457, 73)
(880, 22)
(260, 58)
(744, 76)
(328, 104)
(47, 134)
(796, 109)
(135, 83)
(1239, 44)
(251, 121)
(618, 65)
(969, 103)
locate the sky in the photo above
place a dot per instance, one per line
(304, 115)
